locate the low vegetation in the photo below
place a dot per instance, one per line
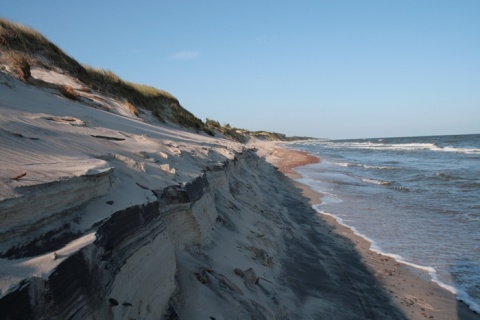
(236, 134)
(20, 65)
(23, 47)
(243, 135)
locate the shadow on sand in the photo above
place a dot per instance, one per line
(329, 279)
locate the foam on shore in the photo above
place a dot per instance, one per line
(425, 276)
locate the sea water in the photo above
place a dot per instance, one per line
(415, 198)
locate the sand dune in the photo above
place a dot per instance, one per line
(107, 215)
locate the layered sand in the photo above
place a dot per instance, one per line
(247, 245)
(411, 290)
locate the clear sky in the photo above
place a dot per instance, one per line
(337, 69)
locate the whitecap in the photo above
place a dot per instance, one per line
(379, 167)
(401, 147)
(377, 182)
(343, 164)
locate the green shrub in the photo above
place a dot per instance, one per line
(212, 123)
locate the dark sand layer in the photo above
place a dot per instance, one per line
(410, 290)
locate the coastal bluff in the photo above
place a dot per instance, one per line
(118, 203)
(107, 215)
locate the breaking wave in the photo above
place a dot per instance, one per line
(399, 147)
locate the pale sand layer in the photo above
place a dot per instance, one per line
(411, 290)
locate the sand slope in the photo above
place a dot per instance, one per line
(106, 215)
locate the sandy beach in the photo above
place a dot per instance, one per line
(288, 160)
(120, 200)
(109, 214)
(409, 289)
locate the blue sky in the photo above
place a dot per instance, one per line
(337, 69)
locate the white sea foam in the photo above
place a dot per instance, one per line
(432, 273)
(326, 197)
(469, 216)
(342, 164)
(337, 218)
(472, 304)
(397, 147)
(383, 146)
(366, 166)
(439, 239)
(378, 167)
(461, 150)
(377, 182)
(342, 222)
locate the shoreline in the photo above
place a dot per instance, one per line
(287, 161)
(412, 290)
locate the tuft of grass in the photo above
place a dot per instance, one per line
(21, 66)
(149, 91)
(212, 123)
(236, 134)
(17, 37)
(69, 92)
(132, 108)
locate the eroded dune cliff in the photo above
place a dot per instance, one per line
(112, 215)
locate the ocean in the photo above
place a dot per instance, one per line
(416, 199)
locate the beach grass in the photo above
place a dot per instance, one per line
(23, 47)
(20, 64)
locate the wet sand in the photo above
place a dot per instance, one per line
(410, 289)
(290, 159)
